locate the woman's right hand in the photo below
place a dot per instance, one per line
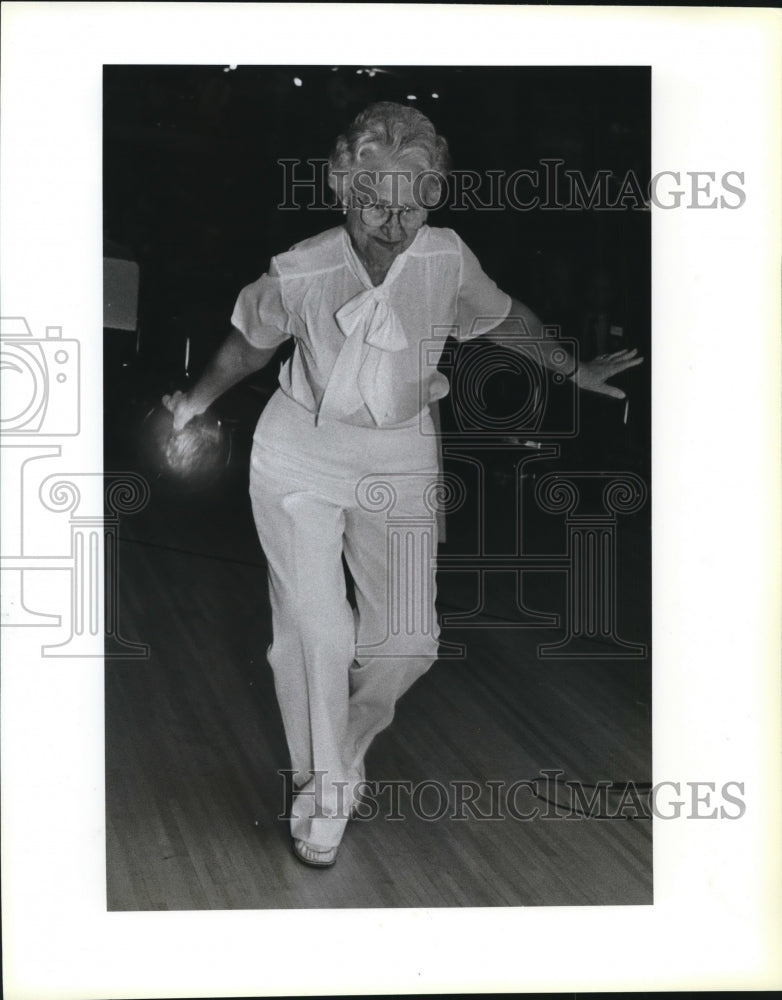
(182, 407)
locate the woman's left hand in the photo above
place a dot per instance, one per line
(593, 375)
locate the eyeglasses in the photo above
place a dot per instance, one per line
(375, 216)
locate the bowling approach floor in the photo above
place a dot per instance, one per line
(194, 739)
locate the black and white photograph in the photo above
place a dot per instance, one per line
(385, 522)
(446, 484)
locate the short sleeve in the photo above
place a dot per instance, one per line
(481, 305)
(260, 314)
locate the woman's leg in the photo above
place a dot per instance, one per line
(313, 642)
(392, 561)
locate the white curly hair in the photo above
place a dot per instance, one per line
(390, 133)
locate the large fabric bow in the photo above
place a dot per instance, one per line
(363, 371)
(371, 313)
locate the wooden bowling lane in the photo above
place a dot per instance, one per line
(194, 741)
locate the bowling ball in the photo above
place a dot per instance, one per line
(192, 458)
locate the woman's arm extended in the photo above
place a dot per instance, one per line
(233, 361)
(591, 375)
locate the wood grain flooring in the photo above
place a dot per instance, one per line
(194, 743)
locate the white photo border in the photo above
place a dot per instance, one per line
(715, 922)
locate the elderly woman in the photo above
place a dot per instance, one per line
(353, 402)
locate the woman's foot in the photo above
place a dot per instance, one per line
(314, 858)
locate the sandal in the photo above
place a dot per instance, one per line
(310, 856)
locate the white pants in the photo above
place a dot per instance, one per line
(319, 492)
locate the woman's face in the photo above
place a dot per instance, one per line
(392, 186)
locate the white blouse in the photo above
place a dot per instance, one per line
(365, 354)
